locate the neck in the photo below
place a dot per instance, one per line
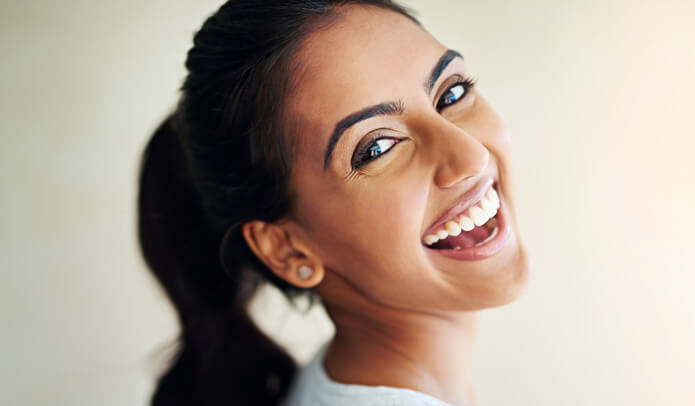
(425, 352)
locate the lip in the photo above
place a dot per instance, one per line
(467, 200)
(491, 247)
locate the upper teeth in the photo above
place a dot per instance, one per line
(476, 215)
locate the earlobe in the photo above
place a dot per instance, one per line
(284, 255)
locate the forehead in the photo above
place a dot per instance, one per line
(366, 56)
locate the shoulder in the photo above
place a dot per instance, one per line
(313, 387)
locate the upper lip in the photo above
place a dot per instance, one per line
(472, 196)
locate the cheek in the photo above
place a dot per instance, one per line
(489, 127)
(371, 234)
(395, 216)
(385, 263)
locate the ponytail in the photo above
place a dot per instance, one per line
(222, 357)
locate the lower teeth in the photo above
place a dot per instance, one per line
(490, 237)
(491, 224)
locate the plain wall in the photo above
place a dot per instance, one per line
(600, 99)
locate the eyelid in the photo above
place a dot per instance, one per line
(450, 82)
(368, 139)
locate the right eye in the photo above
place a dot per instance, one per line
(373, 150)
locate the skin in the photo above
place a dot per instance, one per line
(402, 312)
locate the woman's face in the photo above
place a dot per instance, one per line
(392, 145)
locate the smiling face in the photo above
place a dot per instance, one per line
(394, 147)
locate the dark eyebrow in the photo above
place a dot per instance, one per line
(443, 62)
(387, 108)
(380, 109)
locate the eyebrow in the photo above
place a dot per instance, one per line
(443, 62)
(387, 108)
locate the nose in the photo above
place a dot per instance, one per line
(458, 155)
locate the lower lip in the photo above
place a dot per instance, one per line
(486, 250)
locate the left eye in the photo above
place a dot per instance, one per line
(454, 94)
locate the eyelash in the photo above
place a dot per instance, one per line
(365, 155)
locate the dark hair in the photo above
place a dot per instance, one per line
(221, 159)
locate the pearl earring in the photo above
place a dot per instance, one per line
(305, 272)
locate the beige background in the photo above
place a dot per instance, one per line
(599, 95)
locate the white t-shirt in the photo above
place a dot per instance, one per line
(313, 387)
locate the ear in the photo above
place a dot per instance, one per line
(284, 255)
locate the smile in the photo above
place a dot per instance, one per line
(474, 228)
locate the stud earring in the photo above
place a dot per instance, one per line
(305, 272)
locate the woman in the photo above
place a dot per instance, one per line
(339, 150)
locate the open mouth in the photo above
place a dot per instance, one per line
(474, 226)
